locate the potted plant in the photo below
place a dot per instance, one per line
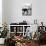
(3, 34)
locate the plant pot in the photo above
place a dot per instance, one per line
(2, 40)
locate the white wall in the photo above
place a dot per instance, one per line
(16, 10)
(4, 11)
(39, 10)
(0, 13)
(13, 13)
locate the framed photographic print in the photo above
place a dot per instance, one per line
(27, 10)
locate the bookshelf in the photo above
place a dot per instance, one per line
(18, 29)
